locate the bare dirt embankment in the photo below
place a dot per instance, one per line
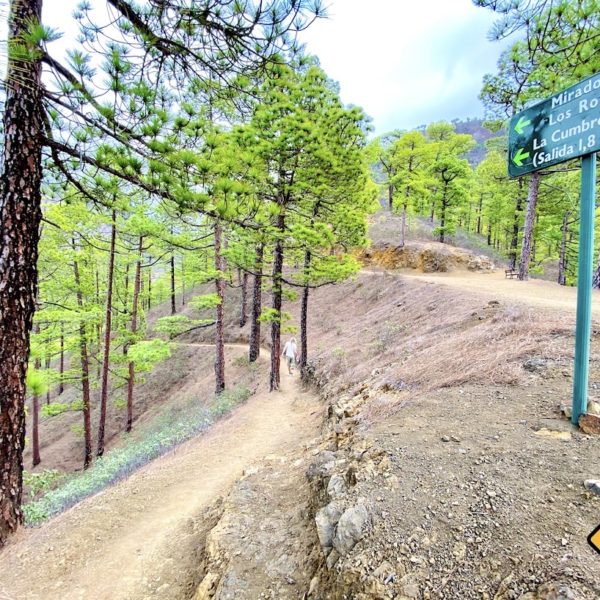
(424, 257)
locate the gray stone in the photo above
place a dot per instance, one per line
(551, 591)
(336, 486)
(593, 408)
(207, 587)
(321, 465)
(326, 520)
(593, 485)
(535, 365)
(566, 410)
(384, 571)
(351, 527)
(332, 559)
(230, 585)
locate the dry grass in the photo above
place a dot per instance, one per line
(489, 351)
(408, 338)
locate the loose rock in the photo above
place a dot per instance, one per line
(351, 528)
(326, 520)
(593, 408)
(336, 486)
(590, 424)
(593, 485)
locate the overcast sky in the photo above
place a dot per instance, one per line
(405, 62)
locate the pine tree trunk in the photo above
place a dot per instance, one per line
(134, 325)
(562, 255)
(304, 317)
(182, 282)
(514, 241)
(534, 186)
(479, 209)
(443, 219)
(61, 386)
(391, 197)
(20, 215)
(85, 373)
(99, 326)
(149, 287)
(173, 304)
(47, 368)
(403, 226)
(107, 334)
(244, 302)
(219, 325)
(277, 295)
(533, 243)
(35, 435)
(126, 294)
(254, 349)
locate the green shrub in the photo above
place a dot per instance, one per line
(41, 482)
(242, 361)
(166, 432)
(78, 431)
(58, 408)
(53, 409)
(76, 405)
(228, 400)
(120, 403)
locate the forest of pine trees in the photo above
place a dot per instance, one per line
(175, 147)
(172, 149)
(533, 221)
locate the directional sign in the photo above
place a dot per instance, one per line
(562, 127)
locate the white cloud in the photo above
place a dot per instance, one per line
(406, 62)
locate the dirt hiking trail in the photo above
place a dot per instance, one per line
(494, 285)
(143, 532)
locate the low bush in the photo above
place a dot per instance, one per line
(54, 409)
(58, 408)
(41, 482)
(167, 431)
(229, 399)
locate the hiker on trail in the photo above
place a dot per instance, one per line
(290, 354)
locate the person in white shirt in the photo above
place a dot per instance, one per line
(290, 354)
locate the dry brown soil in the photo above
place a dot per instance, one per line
(536, 292)
(449, 389)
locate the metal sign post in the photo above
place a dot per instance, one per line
(560, 128)
(584, 286)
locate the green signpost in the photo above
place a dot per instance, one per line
(560, 128)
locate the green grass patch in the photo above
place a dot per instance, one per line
(170, 429)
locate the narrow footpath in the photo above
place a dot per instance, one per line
(143, 532)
